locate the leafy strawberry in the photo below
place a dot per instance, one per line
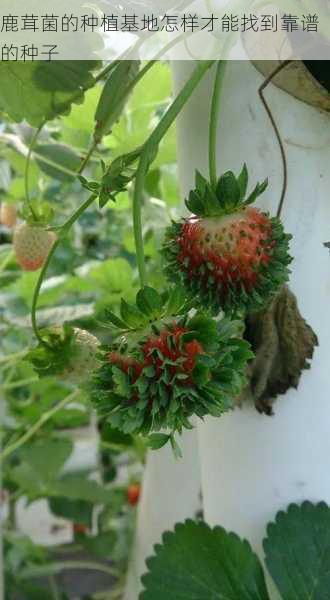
(168, 365)
(32, 244)
(70, 353)
(227, 254)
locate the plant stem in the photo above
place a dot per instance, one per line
(214, 119)
(27, 168)
(53, 587)
(13, 357)
(37, 290)
(10, 448)
(71, 565)
(88, 156)
(148, 153)
(17, 384)
(62, 231)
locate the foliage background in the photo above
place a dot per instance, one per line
(91, 270)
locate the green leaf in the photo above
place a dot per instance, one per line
(116, 321)
(157, 440)
(47, 457)
(40, 90)
(114, 96)
(201, 563)
(63, 156)
(176, 300)
(149, 301)
(77, 511)
(131, 315)
(101, 545)
(297, 551)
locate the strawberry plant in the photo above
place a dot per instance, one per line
(116, 322)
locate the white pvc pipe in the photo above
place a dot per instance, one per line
(253, 465)
(170, 493)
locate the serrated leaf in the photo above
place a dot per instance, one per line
(149, 301)
(198, 562)
(38, 91)
(297, 551)
(131, 315)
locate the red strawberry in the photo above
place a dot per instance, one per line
(228, 254)
(133, 493)
(32, 245)
(8, 215)
(79, 529)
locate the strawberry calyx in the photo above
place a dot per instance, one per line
(68, 352)
(229, 195)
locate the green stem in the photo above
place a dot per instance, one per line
(214, 119)
(102, 74)
(54, 588)
(10, 448)
(18, 384)
(37, 290)
(62, 231)
(13, 357)
(71, 565)
(27, 168)
(88, 156)
(148, 153)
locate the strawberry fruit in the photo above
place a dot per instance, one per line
(32, 244)
(133, 493)
(167, 367)
(227, 254)
(70, 353)
(8, 214)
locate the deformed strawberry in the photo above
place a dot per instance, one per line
(228, 255)
(167, 367)
(32, 244)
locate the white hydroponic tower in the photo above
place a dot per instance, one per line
(246, 466)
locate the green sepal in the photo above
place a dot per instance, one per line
(228, 196)
(149, 307)
(53, 356)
